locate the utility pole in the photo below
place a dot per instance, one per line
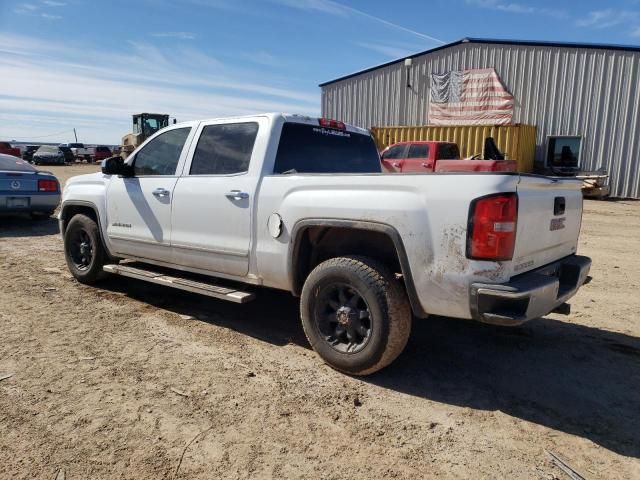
(75, 134)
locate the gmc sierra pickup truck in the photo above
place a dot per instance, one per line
(221, 207)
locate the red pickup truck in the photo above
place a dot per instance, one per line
(7, 149)
(431, 156)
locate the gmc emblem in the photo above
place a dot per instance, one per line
(557, 224)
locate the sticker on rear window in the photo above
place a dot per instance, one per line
(328, 131)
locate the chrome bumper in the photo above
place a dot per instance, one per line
(529, 295)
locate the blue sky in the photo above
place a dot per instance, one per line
(91, 64)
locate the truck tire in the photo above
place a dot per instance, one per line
(83, 249)
(355, 314)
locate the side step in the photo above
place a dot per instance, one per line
(202, 288)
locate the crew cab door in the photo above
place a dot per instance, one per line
(139, 206)
(214, 197)
(418, 159)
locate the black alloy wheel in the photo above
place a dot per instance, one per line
(343, 318)
(81, 249)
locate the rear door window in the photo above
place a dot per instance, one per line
(418, 151)
(224, 149)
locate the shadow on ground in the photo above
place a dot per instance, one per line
(565, 376)
(25, 226)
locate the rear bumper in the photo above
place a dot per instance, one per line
(42, 202)
(529, 295)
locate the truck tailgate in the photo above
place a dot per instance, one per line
(549, 219)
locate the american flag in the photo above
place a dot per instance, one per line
(469, 97)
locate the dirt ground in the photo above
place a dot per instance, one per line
(130, 381)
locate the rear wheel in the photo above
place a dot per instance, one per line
(83, 248)
(355, 314)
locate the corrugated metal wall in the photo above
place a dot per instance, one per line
(563, 91)
(518, 142)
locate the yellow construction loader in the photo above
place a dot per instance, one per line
(144, 125)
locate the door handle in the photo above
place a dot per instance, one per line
(161, 192)
(236, 195)
(396, 164)
(425, 165)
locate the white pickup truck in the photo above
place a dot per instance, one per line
(221, 207)
(79, 151)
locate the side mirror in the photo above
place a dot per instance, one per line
(116, 166)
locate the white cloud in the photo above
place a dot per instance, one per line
(391, 50)
(52, 3)
(607, 18)
(610, 18)
(43, 80)
(262, 58)
(179, 35)
(323, 6)
(26, 9)
(519, 8)
(335, 8)
(48, 16)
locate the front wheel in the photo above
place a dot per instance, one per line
(355, 314)
(83, 249)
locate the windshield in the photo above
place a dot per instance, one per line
(48, 149)
(8, 162)
(314, 149)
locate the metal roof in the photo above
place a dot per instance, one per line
(630, 48)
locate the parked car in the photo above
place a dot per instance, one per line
(301, 204)
(432, 156)
(48, 154)
(69, 157)
(7, 149)
(24, 189)
(101, 152)
(80, 152)
(29, 150)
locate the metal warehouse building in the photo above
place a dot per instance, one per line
(582, 93)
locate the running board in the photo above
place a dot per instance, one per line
(215, 291)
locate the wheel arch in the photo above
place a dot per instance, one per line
(75, 207)
(306, 250)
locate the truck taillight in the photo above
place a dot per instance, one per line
(492, 227)
(47, 186)
(327, 122)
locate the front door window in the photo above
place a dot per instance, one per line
(161, 155)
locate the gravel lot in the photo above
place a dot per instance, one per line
(131, 381)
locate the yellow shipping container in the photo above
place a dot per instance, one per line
(517, 141)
